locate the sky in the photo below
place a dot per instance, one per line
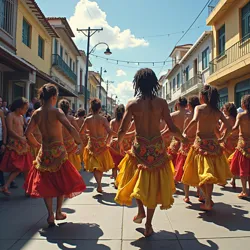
(135, 30)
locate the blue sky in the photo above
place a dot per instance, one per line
(140, 19)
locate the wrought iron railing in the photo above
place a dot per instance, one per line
(232, 54)
(63, 66)
(196, 80)
(212, 5)
(81, 91)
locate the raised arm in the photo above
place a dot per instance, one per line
(227, 126)
(30, 129)
(65, 122)
(237, 123)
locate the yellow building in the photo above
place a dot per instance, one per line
(94, 83)
(230, 67)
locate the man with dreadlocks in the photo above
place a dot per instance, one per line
(146, 172)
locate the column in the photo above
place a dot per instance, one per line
(27, 90)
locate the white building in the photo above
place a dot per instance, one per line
(190, 69)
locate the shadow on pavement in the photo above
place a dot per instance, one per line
(151, 242)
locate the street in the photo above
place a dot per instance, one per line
(96, 222)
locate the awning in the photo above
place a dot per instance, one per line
(63, 90)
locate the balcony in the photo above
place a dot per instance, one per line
(62, 66)
(81, 91)
(192, 84)
(212, 5)
(168, 96)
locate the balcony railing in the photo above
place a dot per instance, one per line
(81, 91)
(196, 80)
(168, 96)
(63, 66)
(212, 5)
(232, 54)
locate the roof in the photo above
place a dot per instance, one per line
(184, 46)
(96, 75)
(66, 24)
(40, 16)
(204, 35)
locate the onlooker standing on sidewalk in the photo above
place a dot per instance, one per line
(5, 108)
(33, 101)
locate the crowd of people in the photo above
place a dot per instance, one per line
(148, 149)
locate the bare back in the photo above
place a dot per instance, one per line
(244, 124)
(115, 125)
(80, 121)
(192, 132)
(179, 118)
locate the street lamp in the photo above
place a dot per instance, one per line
(88, 33)
(112, 102)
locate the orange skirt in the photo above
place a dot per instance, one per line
(66, 181)
(240, 164)
(180, 162)
(12, 161)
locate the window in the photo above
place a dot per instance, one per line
(187, 73)
(205, 59)
(40, 47)
(245, 21)
(61, 51)
(174, 86)
(221, 40)
(74, 65)
(6, 15)
(26, 33)
(66, 57)
(178, 80)
(55, 47)
(70, 63)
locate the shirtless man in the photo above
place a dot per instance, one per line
(52, 174)
(97, 158)
(240, 164)
(17, 157)
(144, 168)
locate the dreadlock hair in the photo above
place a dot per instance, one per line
(119, 112)
(47, 91)
(64, 106)
(246, 103)
(231, 109)
(95, 105)
(194, 101)
(18, 104)
(211, 96)
(145, 83)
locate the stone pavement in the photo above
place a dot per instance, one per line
(96, 222)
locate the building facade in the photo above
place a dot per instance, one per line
(229, 69)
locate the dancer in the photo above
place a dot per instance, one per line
(97, 158)
(52, 175)
(179, 118)
(114, 146)
(17, 157)
(146, 172)
(184, 148)
(240, 164)
(230, 112)
(206, 164)
(68, 140)
(3, 140)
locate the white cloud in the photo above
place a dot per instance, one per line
(120, 72)
(88, 14)
(123, 90)
(164, 72)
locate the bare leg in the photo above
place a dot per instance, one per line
(140, 214)
(59, 214)
(98, 178)
(48, 203)
(114, 173)
(244, 187)
(208, 197)
(12, 176)
(232, 182)
(186, 190)
(149, 230)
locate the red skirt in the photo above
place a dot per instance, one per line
(12, 162)
(180, 161)
(66, 181)
(116, 158)
(240, 165)
(173, 157)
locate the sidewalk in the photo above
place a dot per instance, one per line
(96, 222)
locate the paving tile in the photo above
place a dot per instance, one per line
(161, 226)
(6, 244)
(22, 219)
(148, 244)
(216, 244)
(224, 221)
(67, 244)
(83, 222)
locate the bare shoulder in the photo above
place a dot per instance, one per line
(71, 118)
(131, 103)
(174, 114)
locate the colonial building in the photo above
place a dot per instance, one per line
(229, 69)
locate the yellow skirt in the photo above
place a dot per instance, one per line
(205, 169)
(75, 160)
(102, 162)
(152, 187)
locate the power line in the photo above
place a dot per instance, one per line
(189, 28)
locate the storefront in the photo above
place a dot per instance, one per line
(241, 89)
(223, 96)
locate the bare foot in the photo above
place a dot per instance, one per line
(242, 195)
(61, 216)
(99, 190)
(138, 218)
(186, 199)
(51, 220)
(5, 191)
(148, 230)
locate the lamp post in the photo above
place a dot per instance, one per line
(112, 103)
(88, 33)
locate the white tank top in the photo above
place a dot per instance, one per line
(1, 130)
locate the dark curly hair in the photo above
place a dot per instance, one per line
(182, 101)
(47, 91)
(231, 109)
(95, 105)
(193, 101)
(18, 104)
(145, 83)
(64, 106)
(81, 112)
(246, 102)
(119, 112)
(211, 96)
